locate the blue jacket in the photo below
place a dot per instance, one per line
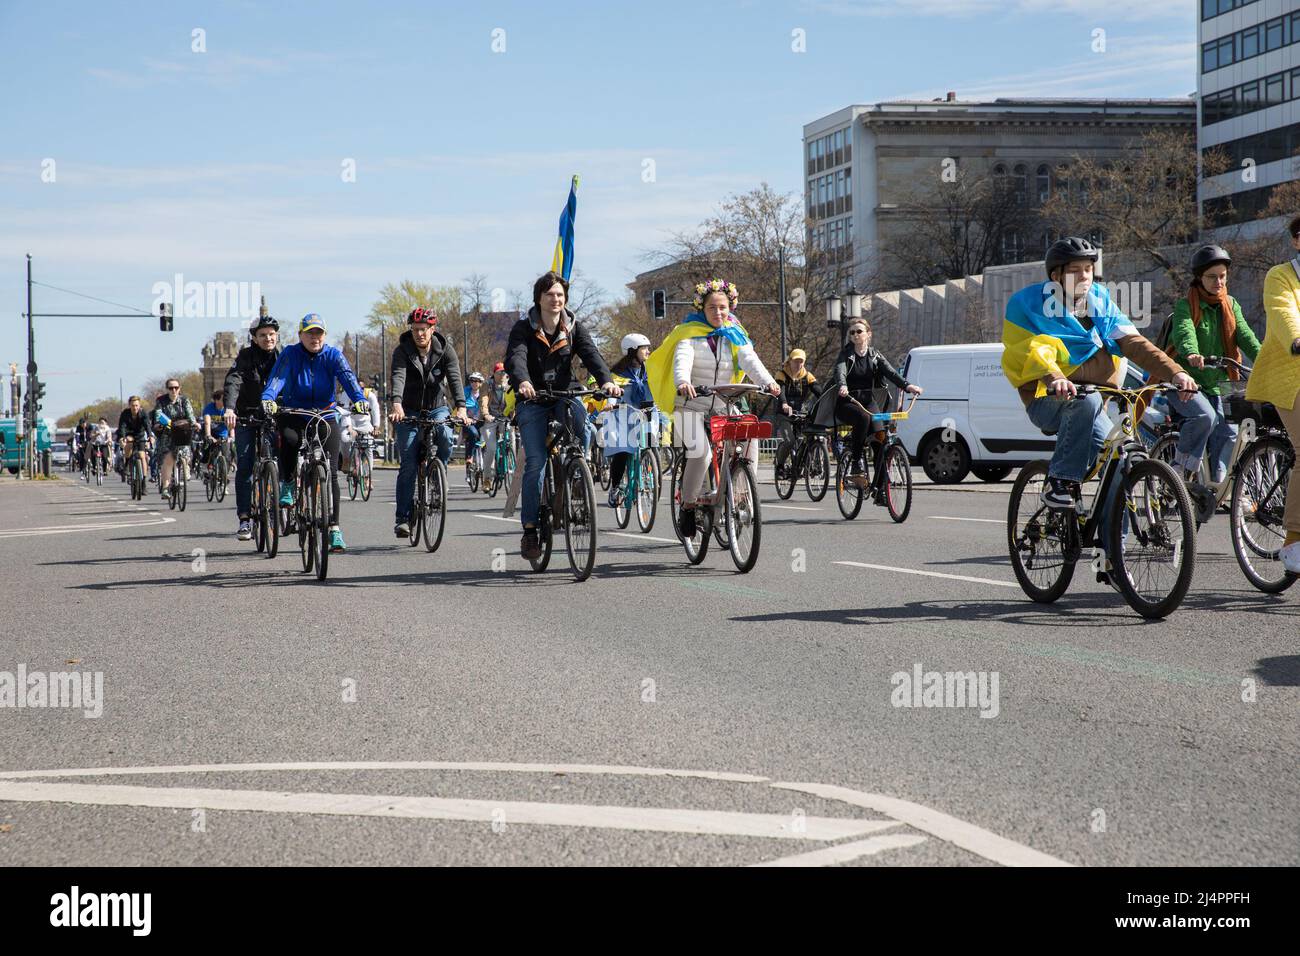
(303, 380)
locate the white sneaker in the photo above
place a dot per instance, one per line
(1290, 556)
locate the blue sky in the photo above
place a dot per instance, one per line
(226, 165)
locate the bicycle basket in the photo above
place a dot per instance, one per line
(1238, 410)
(738, 428)
(181, 433)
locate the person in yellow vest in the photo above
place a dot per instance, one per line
(709, 347)
(1276, 378)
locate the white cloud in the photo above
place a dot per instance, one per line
(1096, 10)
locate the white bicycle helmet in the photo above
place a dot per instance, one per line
(634, 340)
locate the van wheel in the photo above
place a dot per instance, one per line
(945, 462)
(991, 473)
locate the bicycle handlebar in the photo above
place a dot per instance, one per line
(1222, 361)
(551, 395)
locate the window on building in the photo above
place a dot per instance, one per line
(1294, 35)
(839, 192)
(1043, 181)
(1209, 57)
(848, 190)
(1226, 50)
(1020, 179)
(1273, 90)
(848, 145)
(810, 159)
(1249, 44)
(1209, 8)
(1062, 185)
(1249, 97)
(1273, 34)
(1012, 247)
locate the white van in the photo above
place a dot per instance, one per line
(970, 418)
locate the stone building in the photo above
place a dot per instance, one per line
(861, 161)
(218, 355)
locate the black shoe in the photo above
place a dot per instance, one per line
(529, 547)
(402, 529)
(686, 522)
(1061, 495)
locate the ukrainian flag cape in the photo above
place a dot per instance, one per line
(659, 367)
(1041, 336)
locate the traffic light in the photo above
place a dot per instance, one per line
(660, 303)
(38, 392)
(164, 317)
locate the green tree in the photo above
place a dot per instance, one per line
(395, 301)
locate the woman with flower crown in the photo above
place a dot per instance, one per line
(710, 347)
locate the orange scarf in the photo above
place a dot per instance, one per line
(1227, 320)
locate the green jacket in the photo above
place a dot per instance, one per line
(1206, 339)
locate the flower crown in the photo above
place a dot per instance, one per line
(705, 289)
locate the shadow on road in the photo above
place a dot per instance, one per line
(1279, 671)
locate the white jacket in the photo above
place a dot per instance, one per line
(694, 362)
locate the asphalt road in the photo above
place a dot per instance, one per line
(436, 709)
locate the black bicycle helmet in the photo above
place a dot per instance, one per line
(264, 322)
(1207, 256)
(1067, 250)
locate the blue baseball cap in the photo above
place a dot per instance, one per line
(311, 321)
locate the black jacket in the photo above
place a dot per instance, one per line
(131, 426)
(423, 385)
(247, 377)
(797, 393)
(530, 358)
(868, 372)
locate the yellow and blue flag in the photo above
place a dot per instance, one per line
(1040, 336)
(562, 261)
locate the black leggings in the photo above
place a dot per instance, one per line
(617, 465)
(291, 428)
(851, 414)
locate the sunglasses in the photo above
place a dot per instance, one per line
(173, 388)
(858, 332)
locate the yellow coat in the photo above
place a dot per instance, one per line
(1276, 375)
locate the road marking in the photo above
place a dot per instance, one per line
(846, 852)
(640, 537)
(930, 574)
(653, 819)
(957, 832)
(498, 518)
(31, 532)
(984, 520)
(791, 507)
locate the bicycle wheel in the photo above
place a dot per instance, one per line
(1041, 541)
(353, 485)
(785, 469)
(222, 477)
(647, 498)
(171, 498)
(816, 470)
(698, 545)
(898, 483)
(209, 485)
(182, 483)
(545, 519)
(676, 469)
(257, 515)
(318, 491)
(1255, 519)
(367, 480)
(498, 474)
(434, 511)
(417, 503)
(579, 519)
(271, 500)
(473, 474)
(1154, 552)
(626, 489)
(743, 515)
(847, 494)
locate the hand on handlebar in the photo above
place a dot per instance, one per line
(1186, 385)
(526, 391)
(785, 409)
(397, 413)
(612, 389)
(231, 419)
(1063, 388)
(1196, 361)
(687, 389)
(774, 389)
(844, 391)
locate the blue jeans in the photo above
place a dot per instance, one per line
(1081, 428)
(532, 420)
(471, 439)
(1203, 428)
(245, 455)
(408, 447)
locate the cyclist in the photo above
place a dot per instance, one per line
(425, 377)
(355, 425)
(1208, 322)
(307, 374)
(215, 431)
(133, 432)
(174, 411)
(539, 355)
(860, 374)
(1276, 379)
(1067, 332)
(709, 347)
(494, 415)
(101, 437)
(243, 387)
(622, 435)
(475, 406)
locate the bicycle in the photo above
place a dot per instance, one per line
(264, 505)
(473, 459)
(729, 500)
(599, 465)
(807, 457)
(570, 502)
(1151, 508)
(429, 508)
(310, 512)
(135, 469)
(213, 470)
(894, 490)
(180, 478)
(639, 488)
(98, 465)
(503, 457)
(360, 477)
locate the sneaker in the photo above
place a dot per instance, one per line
(245, 532)
(402, 529)
(1060, 494)
(529, 547)
(166, 495)
(1290, 557)
(286, 494)
(686, 522)
(336, 541)
(613, 497)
